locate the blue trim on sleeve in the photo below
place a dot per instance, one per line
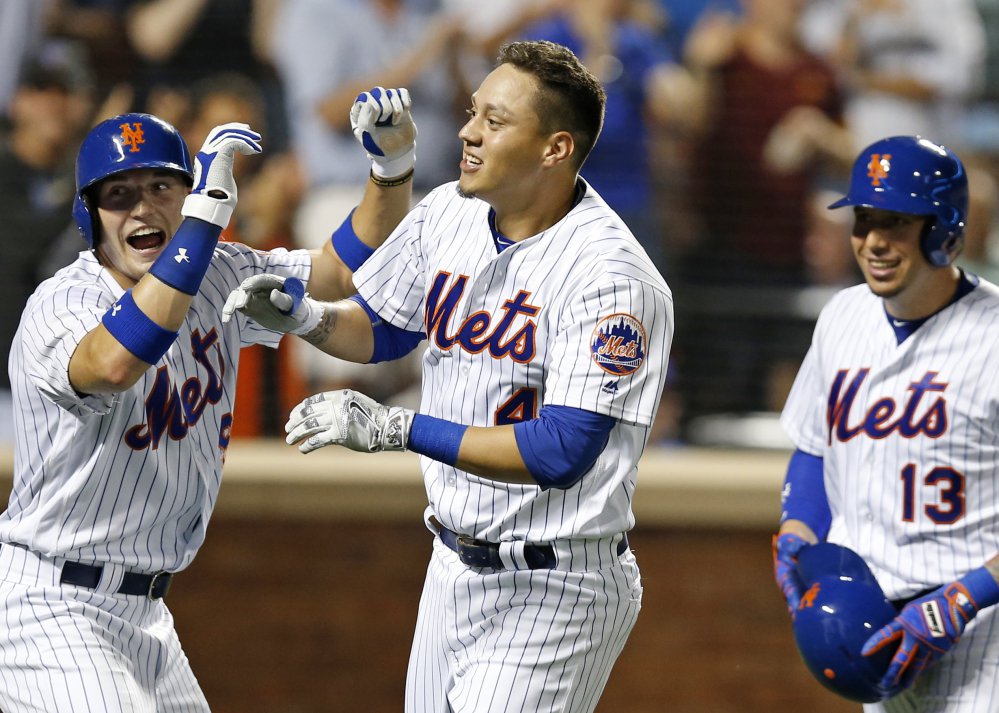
(135, 331)
(562, 444)
(348, 246)
(436, 438)
(391, 342)
(804, 496)
(185, 260)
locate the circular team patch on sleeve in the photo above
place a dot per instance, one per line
(618, 344)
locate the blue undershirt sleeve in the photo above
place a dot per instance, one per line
(804, 495)
(562, 444)
(391, 342)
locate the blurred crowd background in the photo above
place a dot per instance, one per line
(730, 126)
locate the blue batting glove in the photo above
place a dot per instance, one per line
(785, 550)
(928, 627)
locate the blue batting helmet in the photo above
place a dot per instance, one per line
(123, 143)
(909, 174)
(842, 607)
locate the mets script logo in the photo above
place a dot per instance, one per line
(171, 411)
(618, 344)
(878, 168)
(507, 333)
(924, 410)
(132, 136)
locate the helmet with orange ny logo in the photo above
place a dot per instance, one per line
(912, 175)
(843, 605)
(123, 143)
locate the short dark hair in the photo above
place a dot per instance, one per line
(571, 98)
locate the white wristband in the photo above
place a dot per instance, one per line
(395, 167)
(207, 209)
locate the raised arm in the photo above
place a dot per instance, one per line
(383, 124)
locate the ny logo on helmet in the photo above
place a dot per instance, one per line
(808, 598)
(878, 168)
(131, 136)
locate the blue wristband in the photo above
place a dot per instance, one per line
(135, 331)
(804, 496)
(982, 587)
(435, 438)
(185, 260)
(348, 246)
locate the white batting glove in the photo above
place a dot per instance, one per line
(275, 302)
(348, 418)
(213, 197)
(382, 122)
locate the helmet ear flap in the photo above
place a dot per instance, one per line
(86, 220)
(939, 245)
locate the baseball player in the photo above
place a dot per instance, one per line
(894, 417)
(123, 375)
(548, 333)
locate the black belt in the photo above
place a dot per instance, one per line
(154, 586)
(479, 553)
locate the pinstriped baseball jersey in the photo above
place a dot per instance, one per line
(130, 478)
(908, 434)
(575, 316)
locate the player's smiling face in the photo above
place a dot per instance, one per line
(887, 247)
(503, 142)
(139, 213)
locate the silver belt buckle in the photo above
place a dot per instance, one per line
(152, 586)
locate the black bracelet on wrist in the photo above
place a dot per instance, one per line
(391, 182)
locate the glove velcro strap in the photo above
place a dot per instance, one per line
(310, 313)
(400, 167)
(185, 260)
(136, 331)
(981, 586)
(210, 210)
(395, 432)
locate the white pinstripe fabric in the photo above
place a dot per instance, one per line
(919, 504)
(525, 640)
(586, 267)
(125, 481)
(74, 650)
(81, 490)
(518, 639)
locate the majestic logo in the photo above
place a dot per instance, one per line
(481, 331)
(132, 136)
(878, 168)
(919, 414)
(618, 344)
